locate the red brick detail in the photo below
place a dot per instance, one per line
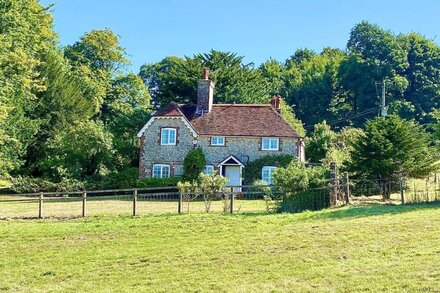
(171, 169)
(177, 134)
(159, 136)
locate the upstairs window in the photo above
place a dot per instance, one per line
(218, 140)
(270, 144)
(168, 136)
(266, 174)
(208, 170)
(161, 171)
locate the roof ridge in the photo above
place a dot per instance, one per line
(243, 105)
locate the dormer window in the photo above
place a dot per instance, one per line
(168, 136)
(270, 144)
(218, 140)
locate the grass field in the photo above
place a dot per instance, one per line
(373, 248)
(98, 206)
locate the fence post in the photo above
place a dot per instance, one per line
(84, 204)
(179, 206)
(40, 206)
(334, 180)
(135, 198)
(232, 201)
(347, 188)
(402, 194)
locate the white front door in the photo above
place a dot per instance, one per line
(233, 173)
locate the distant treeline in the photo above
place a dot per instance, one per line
(70, 114)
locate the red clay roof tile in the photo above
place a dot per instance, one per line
(234, 120)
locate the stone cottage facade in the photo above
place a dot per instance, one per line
(230, 135)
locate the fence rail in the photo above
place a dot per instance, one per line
(137, 201)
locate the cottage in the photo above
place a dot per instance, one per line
(230, 135)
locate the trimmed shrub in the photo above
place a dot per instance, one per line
(304, 188)
(312, 200)
(193, 164)
(127, 178)
(32, 185)
(252, 172)
(157, 182)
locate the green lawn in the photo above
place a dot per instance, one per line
(375, 248)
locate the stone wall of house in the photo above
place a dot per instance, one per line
(152, 152)
(244, 148)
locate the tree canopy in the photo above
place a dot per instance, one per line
(71, 113)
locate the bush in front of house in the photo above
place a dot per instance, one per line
(261, 187)
(253, 169)
(157, 182)
(193, 164)
(304, 188)
(209, 186)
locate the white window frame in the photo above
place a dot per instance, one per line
(210, 168)
(162, 174)
(215, 140)
(169, 142)
(269, 169)
(270, 148)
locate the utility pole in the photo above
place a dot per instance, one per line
(383, 107)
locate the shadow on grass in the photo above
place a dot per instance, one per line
(371, 210)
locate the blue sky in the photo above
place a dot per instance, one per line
(152, 30)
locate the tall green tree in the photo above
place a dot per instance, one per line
(319, 142)
(390, 148)
(374, 55)
(26, 34)
(422, 94)
(175, 79)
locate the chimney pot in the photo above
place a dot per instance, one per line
(275, 102)
(205, 74)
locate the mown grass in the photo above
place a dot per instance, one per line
(364, 248)
(99, 206)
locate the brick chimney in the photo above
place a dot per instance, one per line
(205, 94)
(275, 102)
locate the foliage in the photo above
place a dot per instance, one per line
(304, 188)
(289, 115)
(158, 182)
(210, 187)
(253, 169)
(319, 143)
(261, 187)
(291, 179)
(188, 191)
(341, 147)
(32, 185)
(127, 178)
(308, 200)
(175, 79)
(392, 147)
(296, 178)
(82, 149)
(193, 164)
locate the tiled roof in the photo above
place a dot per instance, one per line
(172, 109)
(234, 120)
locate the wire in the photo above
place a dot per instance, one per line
(358, 115)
